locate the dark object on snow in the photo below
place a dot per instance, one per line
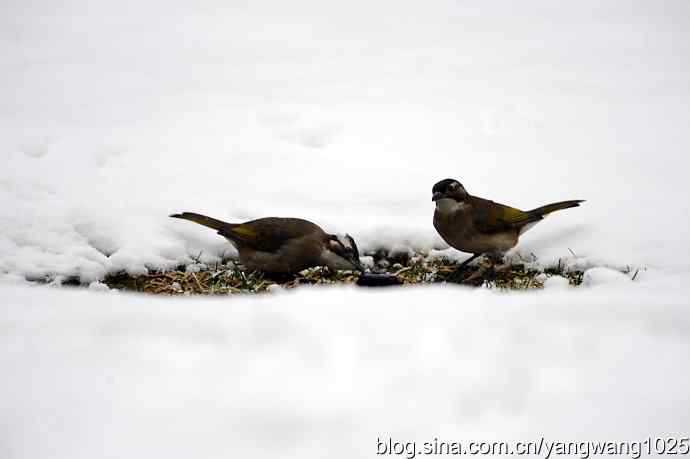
(377, 280)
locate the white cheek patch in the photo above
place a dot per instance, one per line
(345, 241)
(335, 261)
(447, 205)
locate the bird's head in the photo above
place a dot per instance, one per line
(341, 253)
(449, 189)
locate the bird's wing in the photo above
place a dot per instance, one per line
(268, 234)
(492, 217)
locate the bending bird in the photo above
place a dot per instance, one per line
(283, 245)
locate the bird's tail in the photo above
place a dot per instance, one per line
(217, 225)
(547, 209)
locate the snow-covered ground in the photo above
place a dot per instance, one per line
(115, 114)
(323, 372)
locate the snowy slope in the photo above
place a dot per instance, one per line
(114, 115)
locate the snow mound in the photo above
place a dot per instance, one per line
(601, 276)
(556, 283)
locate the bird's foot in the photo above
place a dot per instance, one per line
(458, 275)
(502, 268)
(487, 270)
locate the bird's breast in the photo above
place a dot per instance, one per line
(452, 226)
(459, 231)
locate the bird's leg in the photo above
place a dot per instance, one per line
(495, 257)
(498, 262)
(457, 274)
(462, 265)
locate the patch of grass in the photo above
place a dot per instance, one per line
(221, 281)
(226, 278)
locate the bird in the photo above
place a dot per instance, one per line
(283, 246)
(479, 226)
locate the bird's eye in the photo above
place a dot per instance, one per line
(453, 186)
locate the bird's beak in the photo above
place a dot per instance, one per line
(436, 196)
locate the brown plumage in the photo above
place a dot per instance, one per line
(283, 245)
(478, 226)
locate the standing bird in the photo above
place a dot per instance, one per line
(479, 226)
(283, 245)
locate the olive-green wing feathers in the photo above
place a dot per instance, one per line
(490, 217)
(265, 234)
(268, 234)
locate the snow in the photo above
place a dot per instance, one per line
(555, 282)
(602, 275)
(298, 374)
(114, 115)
